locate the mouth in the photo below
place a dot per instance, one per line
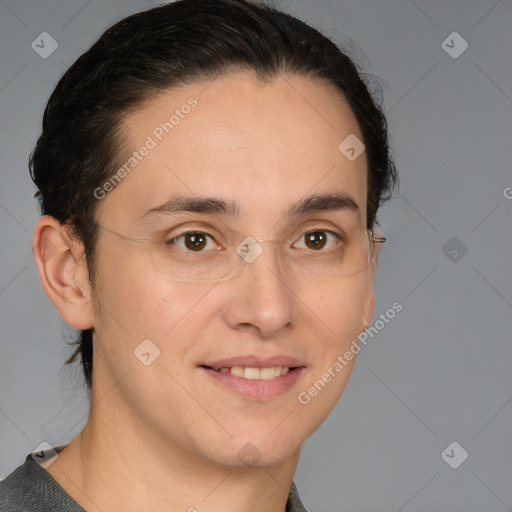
(256, 384)
(254, 373)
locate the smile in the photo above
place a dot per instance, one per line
(255, 384)
(248, 372)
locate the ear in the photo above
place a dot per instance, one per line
(370, 301)
(62, 267)
(368, 309)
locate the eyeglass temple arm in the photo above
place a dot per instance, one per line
(378, 239)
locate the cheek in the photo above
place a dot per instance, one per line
(179, 309)
(155, 308)
(339, 312)
(339, 308)
(133, 298)
(135, 305)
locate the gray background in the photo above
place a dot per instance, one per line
(440, 370)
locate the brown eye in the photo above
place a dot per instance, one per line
(194, 241)
(315, 239)
(318, 239)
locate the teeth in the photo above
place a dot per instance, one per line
(238, 371)
(265, 373)
(250, 373)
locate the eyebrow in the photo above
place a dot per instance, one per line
(198, 204)
(307, 205)
(323, 203)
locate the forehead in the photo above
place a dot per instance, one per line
(263, 145)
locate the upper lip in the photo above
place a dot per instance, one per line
(254, 362)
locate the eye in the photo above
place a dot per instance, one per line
(194, 241)
(318, 239)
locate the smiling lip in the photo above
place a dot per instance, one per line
(255, 389)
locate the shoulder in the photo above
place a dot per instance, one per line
(30, 487)
(294, 503)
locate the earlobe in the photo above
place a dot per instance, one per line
(63, 271)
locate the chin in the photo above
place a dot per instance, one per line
(260, 451)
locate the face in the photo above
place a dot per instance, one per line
(265, 147)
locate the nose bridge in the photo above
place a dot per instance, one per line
(257, 255)
(264, 296)
(248, 250)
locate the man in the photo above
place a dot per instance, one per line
(209, 175)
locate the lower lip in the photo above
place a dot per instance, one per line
(256, 389)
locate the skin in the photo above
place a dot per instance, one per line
(165, 436)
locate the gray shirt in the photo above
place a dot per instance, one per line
(31, 488)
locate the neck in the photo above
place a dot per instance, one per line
(116, 464)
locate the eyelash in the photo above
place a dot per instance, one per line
(331, 233)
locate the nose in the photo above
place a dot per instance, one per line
(261, 296)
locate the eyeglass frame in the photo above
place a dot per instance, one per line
(370, 233)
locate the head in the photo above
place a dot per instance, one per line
(234, 101)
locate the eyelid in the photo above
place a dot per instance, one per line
(188, 228)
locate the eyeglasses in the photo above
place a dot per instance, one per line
(198, 256)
